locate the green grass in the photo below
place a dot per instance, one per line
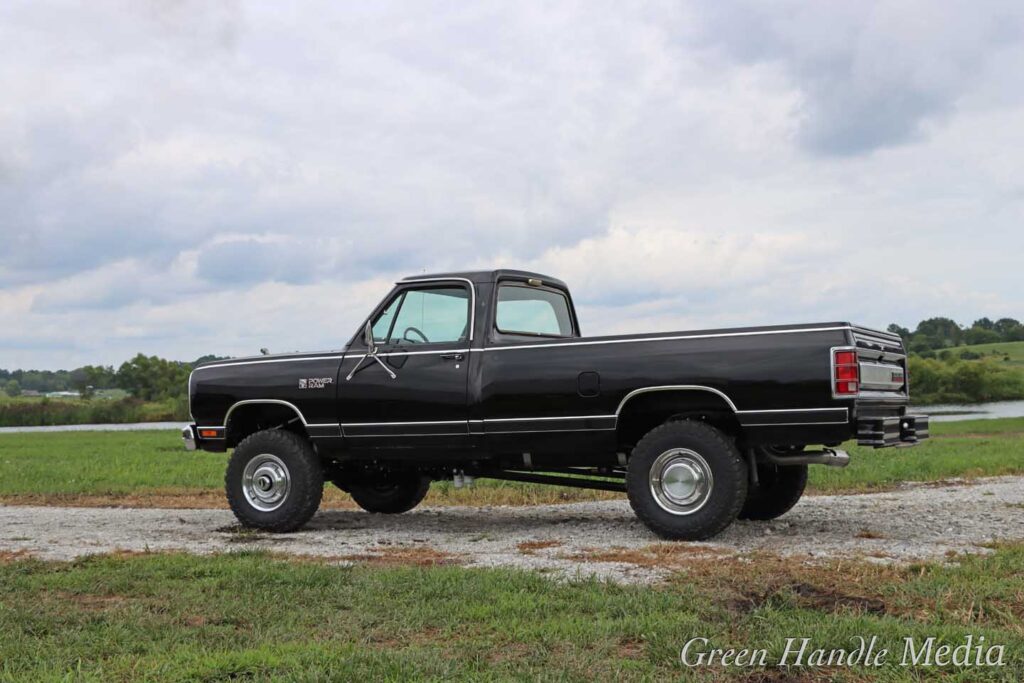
(151, 468)
(103, 463)
(1015, 350)
(249, 616)
(971, 448)
(1005, 425)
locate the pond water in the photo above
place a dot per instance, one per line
(128, 427)
(977, 411)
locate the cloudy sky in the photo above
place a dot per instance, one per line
(188, 177)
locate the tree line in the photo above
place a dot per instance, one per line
(934, 334)
(147, 378)
(943, 373)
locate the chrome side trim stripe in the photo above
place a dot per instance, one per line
(266, 360)
(554, 431)
(539, 419)
(792, 424)
(408, 353)
(780, 412)
(791, 410)
(403, 435)
(399, 424)
(716, 335)
(485, 421)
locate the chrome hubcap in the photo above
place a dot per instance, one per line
(681, 481)
(265, 482)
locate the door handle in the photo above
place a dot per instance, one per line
(452, 356)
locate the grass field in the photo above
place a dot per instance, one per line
(249, 616)
(1015, 350)
(256, 616)
(151, 468)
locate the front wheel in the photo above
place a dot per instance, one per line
(274, 481)
(686, 480)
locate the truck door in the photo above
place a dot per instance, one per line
(413, 394)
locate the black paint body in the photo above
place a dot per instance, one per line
(581, 400)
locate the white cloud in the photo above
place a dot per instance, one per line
(192, 177)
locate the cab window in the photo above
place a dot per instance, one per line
(533, 311)
(424, 316)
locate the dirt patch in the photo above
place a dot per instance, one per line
(830, 599)
(868, 533)
(416, 555)
(786, 676)
(654, 556)
(744, 583)
(531, 547)
(512, 651)
(631, 648)
(8, 556)
(90, 602)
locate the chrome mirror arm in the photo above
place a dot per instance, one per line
(371, 353)
(383, 365)
(356, 366)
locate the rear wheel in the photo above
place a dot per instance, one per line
(779, 488)
(686, 480)
(390, 493)
(274, 481)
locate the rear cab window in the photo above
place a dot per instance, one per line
(526, 310)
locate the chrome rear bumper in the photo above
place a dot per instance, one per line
(882, 432)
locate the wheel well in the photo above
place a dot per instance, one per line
(244, 420)
(644, 412)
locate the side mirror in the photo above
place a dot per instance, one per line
(368, 336)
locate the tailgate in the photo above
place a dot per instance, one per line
(883, 366)
(884, 392)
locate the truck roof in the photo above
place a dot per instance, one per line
(490, 276)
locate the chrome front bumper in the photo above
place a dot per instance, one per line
(188, 436)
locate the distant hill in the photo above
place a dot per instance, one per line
(997, 351)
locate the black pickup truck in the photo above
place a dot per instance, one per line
(457, 376)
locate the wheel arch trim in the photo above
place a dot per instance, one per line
(675, 387)
(265, 401)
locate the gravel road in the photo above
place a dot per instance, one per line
(914, 522)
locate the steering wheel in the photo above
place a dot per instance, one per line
(405, 335)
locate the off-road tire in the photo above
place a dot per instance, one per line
(778, 489)
(305, 476)
(728, 489)
(399, 492)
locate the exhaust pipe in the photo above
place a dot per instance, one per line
(832, 457)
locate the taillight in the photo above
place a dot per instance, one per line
(845, 373)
